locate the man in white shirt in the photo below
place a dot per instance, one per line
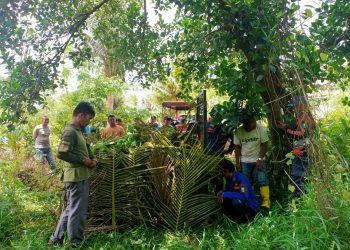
(41, 136)
(251, 142)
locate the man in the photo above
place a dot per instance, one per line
(120, 123)
(153, 122)
(219, 142)
(238, 198)
(182, 126)
(113, 130)
(251, 141)
(41, 136)
(299, 135)
(74, 150)
(167, 130)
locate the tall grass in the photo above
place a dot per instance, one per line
(26, 222)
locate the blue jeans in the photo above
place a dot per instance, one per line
(45, 153)
(300, 168)
(250, 171)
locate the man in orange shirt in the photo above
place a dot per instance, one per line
(113, 130)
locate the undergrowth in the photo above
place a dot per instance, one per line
(28, 215)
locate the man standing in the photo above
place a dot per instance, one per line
(251, 142)
(73, 149)
(41, 136)
(300, 136)
(113, 130)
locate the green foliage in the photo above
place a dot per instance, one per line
(331, 34)
(232, 113)
(159, 185)
(35, 36)
(26, 223)
(335, 127)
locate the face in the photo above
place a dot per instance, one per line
(250, 125)
(84, 119)
(45, 120)
(112, 121)
(166, 122)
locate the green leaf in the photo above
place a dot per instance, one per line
(324, 57)
(259, 78)
(308, 13)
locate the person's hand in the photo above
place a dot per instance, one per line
(281, 125)
(90, 163)
(259, 165)
(94, 163)
(219, 195)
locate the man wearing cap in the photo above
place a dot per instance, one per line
(251, 142)
(238, 198)
(299, 134)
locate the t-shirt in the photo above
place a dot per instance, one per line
(116, 131)
(250, 142)
(41, 135)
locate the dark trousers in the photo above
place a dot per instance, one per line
(73, 218)
(238, 210)
(300, 168)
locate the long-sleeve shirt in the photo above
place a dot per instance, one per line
(299, 133)
(74, 150)
(239, 187)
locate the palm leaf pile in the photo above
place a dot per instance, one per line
(158, 184)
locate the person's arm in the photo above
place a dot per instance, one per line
(233, 195)
(238, 152)
(299, 131)
(64, 152)
(238, 157)
(103, 134)
(122, 131)
(262, 152)
(35, 133)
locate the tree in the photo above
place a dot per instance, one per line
(250, 50)
(39, 32)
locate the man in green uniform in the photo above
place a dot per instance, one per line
(74, 150)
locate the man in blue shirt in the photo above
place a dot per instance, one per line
(238, 198)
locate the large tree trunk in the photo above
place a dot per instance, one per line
(112, 69)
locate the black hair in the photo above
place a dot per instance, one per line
(84, 108)
(247, 119)
(227, 164)
(111, 116)
(119, 120)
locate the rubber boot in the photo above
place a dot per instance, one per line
(265, 195)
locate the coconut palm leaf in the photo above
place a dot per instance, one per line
(177, 185)
(114, 200)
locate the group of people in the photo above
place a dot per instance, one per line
(237, 198)
(250, 146)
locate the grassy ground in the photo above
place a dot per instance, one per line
(28, 214)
